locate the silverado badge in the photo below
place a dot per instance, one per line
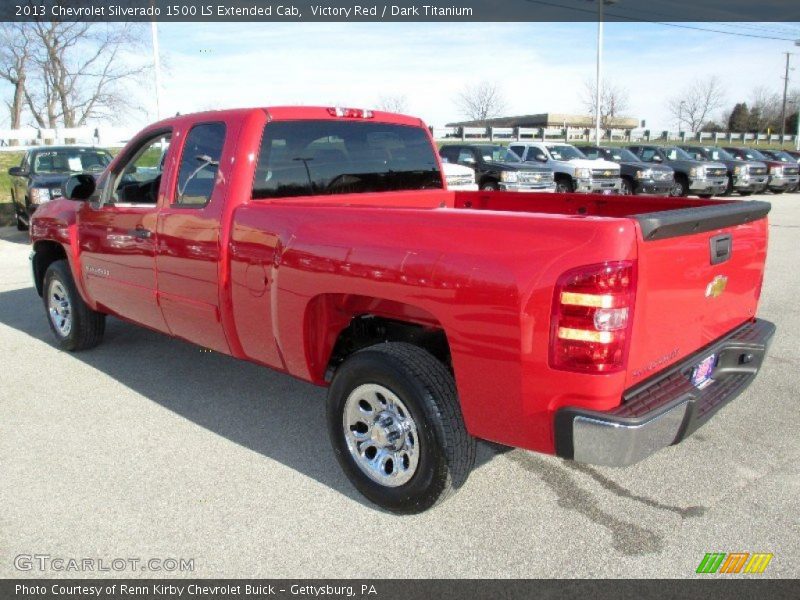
(717, 286)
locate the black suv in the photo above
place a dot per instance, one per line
(638, 177)
(41, 174)
(498, 169)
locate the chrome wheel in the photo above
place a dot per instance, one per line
(381, 435)
(59, 308)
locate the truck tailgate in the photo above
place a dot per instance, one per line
(699, 276)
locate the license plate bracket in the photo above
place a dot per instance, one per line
(702, 372)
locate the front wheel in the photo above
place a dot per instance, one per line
(564, 185)
(489, 186)
(19, 223)
(396, 427)
(627, 188)
(74, 325)
(680, 188)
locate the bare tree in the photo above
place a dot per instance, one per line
(15, 58)
(613, 102)
(395, 104)
(84, 67)
(765, 110)
(694, 105)
(482, 101)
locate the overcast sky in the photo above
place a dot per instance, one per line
(540, 67)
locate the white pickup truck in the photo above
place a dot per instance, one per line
(459, 177)
(572, 170)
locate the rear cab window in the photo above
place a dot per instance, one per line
(319, 157)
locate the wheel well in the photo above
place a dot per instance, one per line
(488, 179)
(45, 253)
(368, 330)
(337, 325)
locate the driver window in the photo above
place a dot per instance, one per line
(140, 178)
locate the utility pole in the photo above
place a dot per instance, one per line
(785, 88)
(156, 68)
(599, 83)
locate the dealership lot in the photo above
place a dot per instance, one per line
(148, 447)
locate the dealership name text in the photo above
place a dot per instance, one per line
(224, 10)
(192, 589)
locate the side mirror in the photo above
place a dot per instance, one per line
(656, 158)
(540, 157)
(79, 187)
(15, 171)
(468, 160)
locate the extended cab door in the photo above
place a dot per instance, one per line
(189, 236)
(117, 234)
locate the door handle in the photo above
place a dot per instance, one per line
(140, 233)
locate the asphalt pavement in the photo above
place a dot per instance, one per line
(149, 448)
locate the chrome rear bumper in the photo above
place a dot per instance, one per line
(666, 408)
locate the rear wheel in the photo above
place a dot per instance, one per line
(396, 427)
(74, 325)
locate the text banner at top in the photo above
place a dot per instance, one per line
(658, 11)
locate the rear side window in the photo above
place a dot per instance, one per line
(316, 158)
(199, 164)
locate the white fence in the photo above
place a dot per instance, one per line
(26, 137)
(575, 134)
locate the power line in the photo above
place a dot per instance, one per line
(664, 23)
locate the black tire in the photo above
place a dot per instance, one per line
(778, 191)
(729, 189)
(18, 222)
(87, 326)
(426, 388)
(627, 188)
(705, 196)
(681, 187)
(745, 193)
(489, 186)
(564, 185)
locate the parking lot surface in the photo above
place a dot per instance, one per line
(148, 447)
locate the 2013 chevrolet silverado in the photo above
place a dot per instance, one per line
(321, 242)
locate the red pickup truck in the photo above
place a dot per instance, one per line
(322, 242)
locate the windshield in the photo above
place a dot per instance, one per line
(674, 153)
(71, 160)
(622, 155)
(564, 152)
(312, 158)
(497, 154)
(718, 154)
(753, 154)
(782, 156)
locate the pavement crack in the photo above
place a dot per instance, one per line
(628, 538)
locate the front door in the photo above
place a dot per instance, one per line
(118, 235)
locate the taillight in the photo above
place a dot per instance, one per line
(592, 316)
(350, 113)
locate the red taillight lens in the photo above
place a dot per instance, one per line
(592, 316)
(350, 113)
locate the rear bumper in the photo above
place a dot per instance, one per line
(666, 408)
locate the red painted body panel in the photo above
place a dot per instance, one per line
(276, 281)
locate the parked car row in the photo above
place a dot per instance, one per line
(704, 171)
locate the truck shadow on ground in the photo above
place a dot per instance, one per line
(268, 412)
(283, 418)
